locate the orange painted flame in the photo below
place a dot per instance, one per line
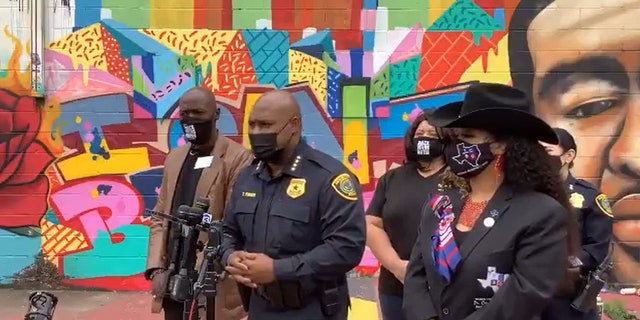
(18, 81)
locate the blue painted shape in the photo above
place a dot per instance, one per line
(322, 39)
(269, 51)
(87, 12)
(314, 50)
(175, 132)
(368, 40)
(145, 103)
(99, 111)
(16, 253)
(146, 182)
(122, 259)
(334, 93)
(51, 216)
(147, 66)
(165, 69)
(226, 126)
(370, 4)
(356, 63)
(394, 127)
(498, 16)
(226, 123)
(316, 130)
(131, 41)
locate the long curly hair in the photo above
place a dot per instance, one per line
(527, 166)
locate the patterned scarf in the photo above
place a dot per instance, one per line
(445, 250)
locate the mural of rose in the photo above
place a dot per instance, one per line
(23, 186)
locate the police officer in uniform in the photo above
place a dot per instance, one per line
(595, 220)
(295, 223)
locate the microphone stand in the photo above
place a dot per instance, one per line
(187, 284)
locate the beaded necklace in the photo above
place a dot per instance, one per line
(470, 213)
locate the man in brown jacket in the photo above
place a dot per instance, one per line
(214, 162)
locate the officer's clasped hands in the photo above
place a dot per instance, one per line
(250, 269)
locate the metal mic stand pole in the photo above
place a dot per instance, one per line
(208, 279)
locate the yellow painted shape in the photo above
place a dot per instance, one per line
(165, 14)
(497, 66)
(206, 46)
(305, 68)
(122, 161)
(85, 47)
(363, 310)
(250, 101)
(437, 8)
(354, 138)
(59, 240)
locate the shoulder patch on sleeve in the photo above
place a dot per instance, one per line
(343, 185)
(603, 203)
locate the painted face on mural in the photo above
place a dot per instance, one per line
(587, 80)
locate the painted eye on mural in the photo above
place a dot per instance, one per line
(593, 108)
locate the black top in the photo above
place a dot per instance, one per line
(398, 200)
(509, 268)
(185, 190)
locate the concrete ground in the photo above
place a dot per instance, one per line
(96, 305)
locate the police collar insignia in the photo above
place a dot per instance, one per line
(577, 200)
(296, 188)
(343, 185)
(603, 203)
(494, 279)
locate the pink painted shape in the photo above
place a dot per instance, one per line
(89, 137)
(414, 113)
(100, 82)
(356, 164)
(343, 59)
(368, 259)
(383, 112)
(367, 65)
(122, 204)
(368, 20)
(409, 47)
(87, 125)
(366, 198)
(175, 114)
(136, 62)
(140, 113)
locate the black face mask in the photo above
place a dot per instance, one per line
(197, 132)
(426, 149)
(467, 160)
(265, 146)
(556, 163)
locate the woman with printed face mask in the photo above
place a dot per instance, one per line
(501, 250)
(393, 215)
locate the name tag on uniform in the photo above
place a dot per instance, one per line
(203, 162)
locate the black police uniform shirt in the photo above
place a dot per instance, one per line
(595, 221)
(397, 200)
(310, 220)
(512, 261)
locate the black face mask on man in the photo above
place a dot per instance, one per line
(265, 146)
(197, 132)
(467, 160)
(425, 149)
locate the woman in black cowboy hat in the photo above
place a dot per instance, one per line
(497, 250)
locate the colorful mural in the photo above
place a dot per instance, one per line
(80, 166)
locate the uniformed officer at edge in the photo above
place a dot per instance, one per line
(595, 220)
(295, 223)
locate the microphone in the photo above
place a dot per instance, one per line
(203, 203)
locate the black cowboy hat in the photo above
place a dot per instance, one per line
(495, 107)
